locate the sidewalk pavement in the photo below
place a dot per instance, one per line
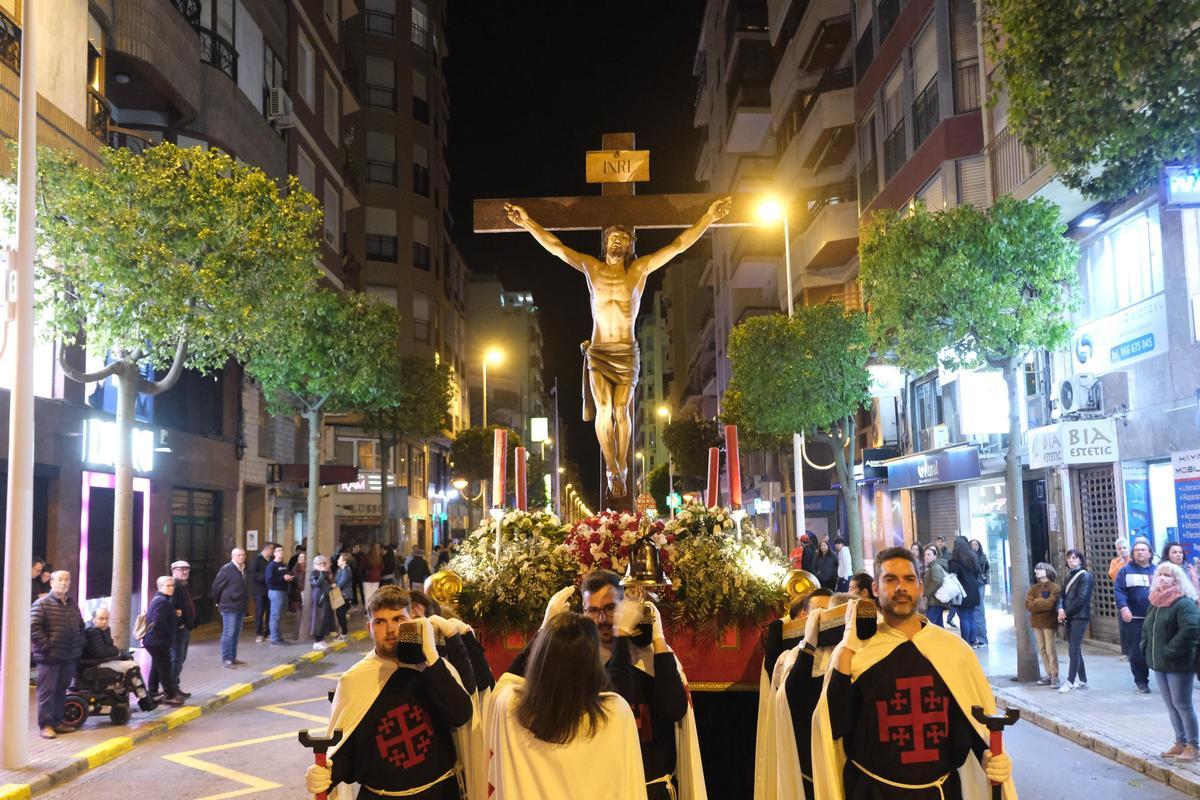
(53, 762)
(1109, 717)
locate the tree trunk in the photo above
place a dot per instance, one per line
(126, 379)
(385, 527)
(1027, 662)
(845, 475)
(785, 524)
(314, 499)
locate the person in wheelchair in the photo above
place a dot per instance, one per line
(105, 668)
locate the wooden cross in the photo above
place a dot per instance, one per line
(617, 204)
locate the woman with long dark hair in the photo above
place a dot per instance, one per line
(965, 567)
(1076, 612)
(825, 565)
(985, 576)
(558, 732)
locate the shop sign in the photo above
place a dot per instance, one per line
(1064, 444)
(762, 506)
(928, 469)
(1136, 477)
(100, 445)
(1130, 335)
(820, 503)
(1186, 467)
(1181, 184)
(365, 483)
(873, 461)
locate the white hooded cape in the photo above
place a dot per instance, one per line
(958, 667)
(356, 692)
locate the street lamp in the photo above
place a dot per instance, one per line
(495, 357)
(664, 411)
(641, 457)
(772, 210)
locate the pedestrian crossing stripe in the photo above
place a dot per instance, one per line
(105, 751)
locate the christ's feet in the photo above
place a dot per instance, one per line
(616, 485)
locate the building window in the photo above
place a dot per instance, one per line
(305, 71)
(894, 147)
(420, 25)
(421, 315)
(1124, 265)
(382, 248)
(421, 243)
(217, 33)
(333, 212)
(420, 97)
(381, 83)
(380, 17)
(305, 171)
(381, 234)
(420, 170)
(352, 451)
(333, 16)
(924, 84)
(331, 107)
(381, 158)
(274, 74)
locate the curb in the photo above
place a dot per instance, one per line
(115, 747)
(1148, 764)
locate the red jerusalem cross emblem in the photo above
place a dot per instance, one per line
(404, 736)
(915, 714)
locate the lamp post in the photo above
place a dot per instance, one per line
(641, 469)
(769, 211)
(664, 411)
(493, 356)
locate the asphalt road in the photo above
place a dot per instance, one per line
(249, 750)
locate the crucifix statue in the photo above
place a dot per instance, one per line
(616, 279)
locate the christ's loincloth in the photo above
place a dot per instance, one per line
(616, 362)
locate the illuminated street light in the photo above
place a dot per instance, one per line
(665, 411)
(770, 210)
(495, 357)
(459, 483)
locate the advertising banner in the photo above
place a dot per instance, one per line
(1090, 441)
(1186, 466)
(1130, 335)
(1136, 478)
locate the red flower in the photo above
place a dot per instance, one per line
(594, 538)
(606, 563)
(670, 538)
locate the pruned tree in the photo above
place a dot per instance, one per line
(414, 402)
(1107, 91)
(471, 452)
(175, 259)
(807, 373)
(968, 288)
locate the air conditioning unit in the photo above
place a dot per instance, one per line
(936, 437)
(279, 109)
(1078, 393)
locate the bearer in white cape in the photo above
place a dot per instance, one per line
(554, 734)
(399, 721)
(894, 720)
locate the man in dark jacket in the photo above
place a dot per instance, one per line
(417, 569)
(38, 587)
(159, 641)
(185, 618)
(1132, 592)
(258, 590)
(56, 632)
(99, 650)
(229, 592)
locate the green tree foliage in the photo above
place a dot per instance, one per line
(658, 483)
(175, 258)
(689, 440)
(968, 287)
(471, 453)
(805, 373)
(1108, 91)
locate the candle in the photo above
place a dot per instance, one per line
(520, 488)
(733, 464)
(714, 477)
(499, 466)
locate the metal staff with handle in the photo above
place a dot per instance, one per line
(320, 746)
(996, 723)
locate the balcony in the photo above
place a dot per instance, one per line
(190, 9)
(158, 47)
(10, 43)
(1012, 162)
(895, 152)
(99, 117)
(380, 23)
(217, 52)
(381, 97)
(821, 126)
(744, 16)
(135, 141)
(420, 38)
(755, 258)
(868, 181)
(888, 12)
(925, 112)
(829, 231)
(382, 248)
(749, 119)
(381, 172)
(966, 86)
(864, 52)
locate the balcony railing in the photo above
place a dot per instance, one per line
(888, 11)
(217, 52)
(380, 22)
(868, 181)
(894, 152)
(420, 38)
(381, 97)
(832, 195)
(190, 9)
(382, 248)
(381, 172)
(135, 141)
(925, 112)
(966, 86)
(10, 43)
(99, 117)
(864, 52)
(1012, 162)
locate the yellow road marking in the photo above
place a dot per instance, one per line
(338, 645)
(14, 791)
(315, 655)
(253, 783)
(332, 676)
(278, 708)
(236, 691)
(280, 671)
(105, 751)
(181, 716)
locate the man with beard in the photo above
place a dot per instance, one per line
(899, 706)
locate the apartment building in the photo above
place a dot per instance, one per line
(650, 449)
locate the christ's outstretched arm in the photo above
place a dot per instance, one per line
(519, 217)
(683, 241)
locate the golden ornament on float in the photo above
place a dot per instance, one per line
(444, 586)
(800, 583)
(646, 505)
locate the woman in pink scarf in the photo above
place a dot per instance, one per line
(1169, 638)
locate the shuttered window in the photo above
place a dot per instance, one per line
(972, 182)
(962, 29)
(893, 107)
(924, 58)
(933, 194)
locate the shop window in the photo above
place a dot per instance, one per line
(1124, 264)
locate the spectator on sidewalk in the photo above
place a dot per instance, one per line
(372, 570)
(38, 587)
(1076, 612)
(296, 553)
(1169, 639)
(933, 574)
(185, 620)
(796, 557)
(279, 583)
(825, 566)
(99, 651)
(443, 558)
(345, 583)
(918, 552)
(357, 562)
(257, 572)
(299, 572)
(229, 593)
(321, 584)
(1132, 591)
(56, 634)
(844, 569)
(985, 577)
(417, 568)
(964, 566)
(1114, 566)
(159, 640)
(1173, 552)
(388, 576)
(1042, 604)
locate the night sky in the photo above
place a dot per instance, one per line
(533, 85)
